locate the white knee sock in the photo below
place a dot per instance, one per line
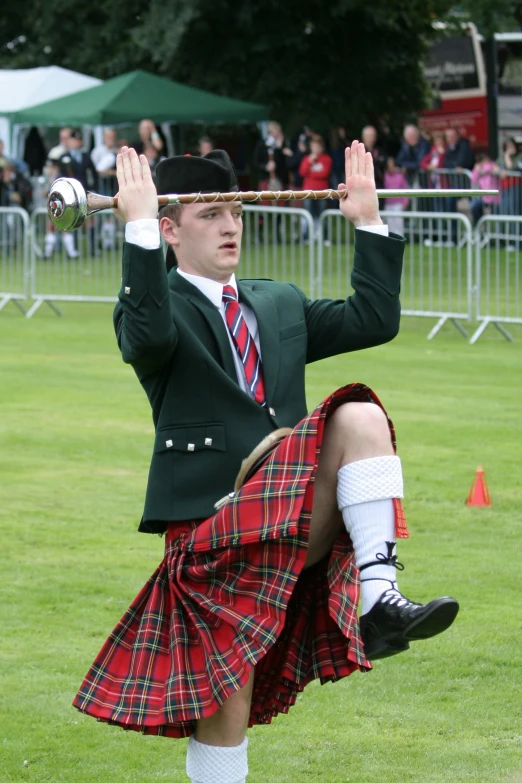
(364, 495)
(216, 764)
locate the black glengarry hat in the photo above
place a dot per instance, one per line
(213, 173)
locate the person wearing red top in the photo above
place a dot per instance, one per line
(315, 170)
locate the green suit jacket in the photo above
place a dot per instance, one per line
(177, 343)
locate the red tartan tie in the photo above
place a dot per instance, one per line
(245, 346)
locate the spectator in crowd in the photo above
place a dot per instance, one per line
(35, 153)
(486, 176)
(413, 149)
(104, 155)
(20, 165)
(15, 188)
(315, 170)
(205, 145)
(369, 139)
(270, 159)
(53, 238)
(150, 144)
(338, 145)
(510, 163)
(394, 179)
(458, 157)
(433, 160)
(77, 163)
(300, 148)
(57, 152)
(104, 159)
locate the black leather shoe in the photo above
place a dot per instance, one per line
(394, 621)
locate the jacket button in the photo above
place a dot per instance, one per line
(190, 447)
(168, 444)
(208, 441)
(271, 411)
(127, 289)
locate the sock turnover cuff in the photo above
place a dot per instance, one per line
(375, 478)
(216, 764)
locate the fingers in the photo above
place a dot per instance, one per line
(126, 162)
(368, 169)
(355, 158)
(145, 169)
(361, 158)
(348, 162)
(120, 172)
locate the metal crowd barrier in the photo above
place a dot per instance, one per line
(279, 243)
(438, 263)
(82, 266)
(497, 273)
(85, 266)
(14, 256)
(285, 243)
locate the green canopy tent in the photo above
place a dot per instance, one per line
(135, 95)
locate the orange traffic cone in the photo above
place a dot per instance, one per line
(479, 493)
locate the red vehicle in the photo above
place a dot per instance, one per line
(455, 70)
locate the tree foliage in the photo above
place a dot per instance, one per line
(343, 62)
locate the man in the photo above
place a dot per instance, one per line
(253, 601)
(56, 152)
(77, 163)
(271, 159)
(205, 145)
(104, 155)
(458, 156)
(369, 139)
(104, 160)
(413, 149)
(15, 189)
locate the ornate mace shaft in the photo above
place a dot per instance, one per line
(69, 205)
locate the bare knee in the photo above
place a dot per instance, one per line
(361, 431)
(227, 726)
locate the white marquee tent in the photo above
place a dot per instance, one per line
(24, 88)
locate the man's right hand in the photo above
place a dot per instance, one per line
(137, 195)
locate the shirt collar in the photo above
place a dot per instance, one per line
(210, 288)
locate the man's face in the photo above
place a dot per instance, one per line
(205, 147)
(64, 135)
(411, 135)
(207, 241)
(146, 129)
(109, 138)
(73, 143)
(451, 137)
(369, 137)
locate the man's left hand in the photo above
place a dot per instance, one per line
(360, 204)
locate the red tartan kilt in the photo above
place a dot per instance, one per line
(230, 594)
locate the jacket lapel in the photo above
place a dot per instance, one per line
(264, 307)
(212, 318)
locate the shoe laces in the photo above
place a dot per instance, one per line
(393, 597)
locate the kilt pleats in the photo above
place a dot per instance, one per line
(231, 594)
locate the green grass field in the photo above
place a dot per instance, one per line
(76, 438)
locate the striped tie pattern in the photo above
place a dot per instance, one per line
(245, 346)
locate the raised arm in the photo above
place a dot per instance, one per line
(371, 315)
(142, 319)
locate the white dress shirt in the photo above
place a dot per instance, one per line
(146, 234)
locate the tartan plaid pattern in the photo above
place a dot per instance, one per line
(230, 594)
